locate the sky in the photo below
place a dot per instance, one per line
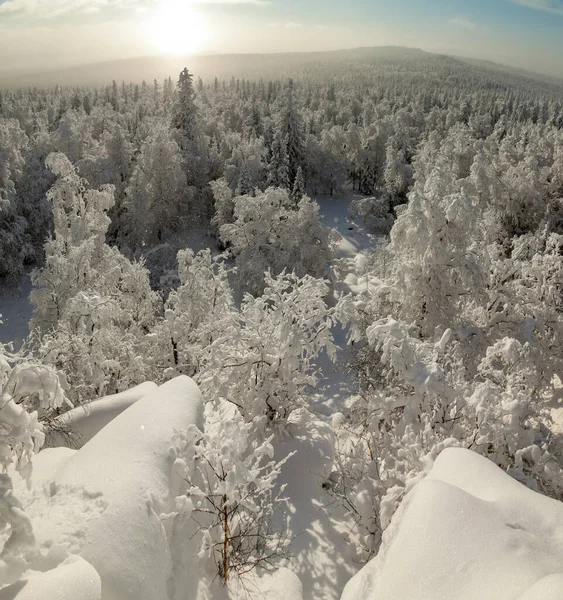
(51, 34)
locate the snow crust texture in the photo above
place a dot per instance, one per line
(468, 531)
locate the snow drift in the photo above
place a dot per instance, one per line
(81, 424)
(468, 531)
(74, 579)
(103, 502)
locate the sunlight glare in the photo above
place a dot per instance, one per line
(178, 28)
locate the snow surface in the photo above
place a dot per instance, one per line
(335, 390)
(282, 584)
(104, 501)
(471, 532)
(81, 424)
(319, 550)
(73, 579)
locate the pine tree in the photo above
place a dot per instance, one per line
(254, 123)
(290, 125)
(298, 187)
(278, 169)
(244, 186)
(156, 198)
(87, 105)
(185, 111)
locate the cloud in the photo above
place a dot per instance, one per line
(50, 8)
(552, 6)
(463, 23)
(44, 9)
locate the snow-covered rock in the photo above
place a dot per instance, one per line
(468, 531)
(104, 501)
(81, 424)
(74, 579)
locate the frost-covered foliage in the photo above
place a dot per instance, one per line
(156, 201)
(269, 232)
(15, 245)
(92, 305)
(231, 493)
(28, 391)
(473, 283)
(193, 316)
(262, 359)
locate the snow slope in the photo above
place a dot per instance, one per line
(73, 579)
(81, 424)
(470, 532)
(104, 501)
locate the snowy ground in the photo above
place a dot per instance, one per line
(352, 242)
(321, 554)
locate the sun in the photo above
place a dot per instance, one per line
(177, 28)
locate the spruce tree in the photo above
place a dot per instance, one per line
(244, 187)
(290, 125)
(185, 112)
(298, 187)
(278, 169)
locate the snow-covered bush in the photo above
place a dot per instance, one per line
(269, 233)
(374, 212)
(193, 316)
(231, 493)
(417, 401)
(27, 391)
(262, 358)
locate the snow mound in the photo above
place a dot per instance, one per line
(468, 531)
(104, 501)
(282, 584)
(129, 464)
(81, 424)
(74, 579)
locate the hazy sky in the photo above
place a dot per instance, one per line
(55, 33)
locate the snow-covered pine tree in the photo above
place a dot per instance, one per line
(278, 167)
(298, 190)
(244, 186)
(184, 118)
(157, 200)
(290, 126)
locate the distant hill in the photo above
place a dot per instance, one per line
(254, 66)
(496, 67)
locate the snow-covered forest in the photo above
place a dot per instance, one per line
(358, 262)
